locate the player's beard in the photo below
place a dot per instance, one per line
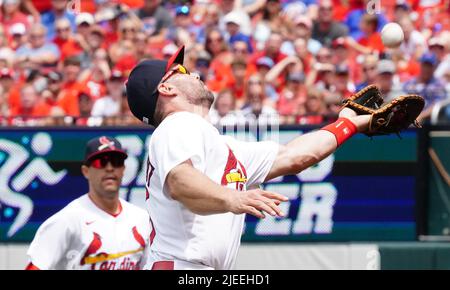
(201, 96)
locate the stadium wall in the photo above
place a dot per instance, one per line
(365, 207)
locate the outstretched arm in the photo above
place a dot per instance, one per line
(202, 196)
(309, 149)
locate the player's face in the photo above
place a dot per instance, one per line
(105, 174)
(191, 87)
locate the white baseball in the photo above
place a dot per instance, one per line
(392, 35)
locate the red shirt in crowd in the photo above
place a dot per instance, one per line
(68, 98)
(42, 109)
(372, 41)
(68, 48)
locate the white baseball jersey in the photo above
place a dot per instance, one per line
(178, 234)
(82, 236)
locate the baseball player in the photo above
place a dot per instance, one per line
(201, 184)
(99, 230)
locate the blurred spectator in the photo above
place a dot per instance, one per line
(51, 92)
(343, 86)
(302, 52)
(272, 49)
(263, 66)
(31, 105)
(183, 25)
(239, 69)
(202, 65)
(71, 87)
(84, 21)
(256, 110)
(124, 47)
(369, 71)
(6, 83)
(318, 67)
(11, 15)
(85, 106)
(325, 29)
(221, 59)
(278, 74)
(141, 47)
(7, 55)
(17, 34)
(314, 109)
(223, 112)
(263, 54)
(92, 80)
(437, 46)
(402, 9)
(342, 56)
(6, 79)
(268, 22)
(385, 80)
(426, 85)
(110, 104)
(58, 10)
(370, 38)
(292, 97)
(68, 44)
(156, 20)
(414, 44)
(240, 49)
(210, 20)
(37, 51)
(303, 30)
(323, 76)
(233, 27)
(353, 20)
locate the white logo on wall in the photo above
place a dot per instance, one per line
(15, 176)
(315, 214)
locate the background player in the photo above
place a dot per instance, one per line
(98, 231)
(200, 183)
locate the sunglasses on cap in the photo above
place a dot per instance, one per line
(102, 161)
(176, 69)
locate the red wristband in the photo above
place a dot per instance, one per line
(342, 129)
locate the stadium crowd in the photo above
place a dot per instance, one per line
(66, 62)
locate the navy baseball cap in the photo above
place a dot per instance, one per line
(143, 82)
(102, 145)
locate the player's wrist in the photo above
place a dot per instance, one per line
(229, 200)
(361, 122)
(342, 129)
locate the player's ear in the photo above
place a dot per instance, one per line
(85, 171)
(167, 90)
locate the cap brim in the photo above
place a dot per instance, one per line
(177, 57)
(98, 153)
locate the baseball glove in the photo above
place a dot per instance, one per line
(387, 118)
(367, 98)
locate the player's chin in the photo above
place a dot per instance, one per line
(111, 186)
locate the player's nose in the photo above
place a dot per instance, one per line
(109, 166)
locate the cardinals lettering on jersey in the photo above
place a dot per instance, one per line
(111, 261)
